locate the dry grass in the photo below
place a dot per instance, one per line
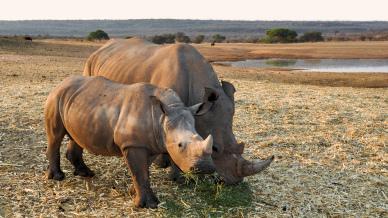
(330, 144)
(63, 48)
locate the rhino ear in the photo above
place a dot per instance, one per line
(228, 89)
(157, 103)
(210, 95)
(208, 101)
(197, 109)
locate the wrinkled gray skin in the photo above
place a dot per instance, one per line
(136, 121)
(182, 68)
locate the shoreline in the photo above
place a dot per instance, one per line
(318, 50)
(331, 79)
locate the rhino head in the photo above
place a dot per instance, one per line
(217, 119)
(189, 151)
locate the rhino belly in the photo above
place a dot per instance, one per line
(93, 130)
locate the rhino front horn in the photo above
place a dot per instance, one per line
(252, 167)
(208, 145)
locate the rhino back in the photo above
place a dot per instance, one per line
(177, 66)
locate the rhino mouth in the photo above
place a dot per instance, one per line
(233, 168)
(204, 167)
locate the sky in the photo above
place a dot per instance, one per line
(298, 10)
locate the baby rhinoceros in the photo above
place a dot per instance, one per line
(135, 121)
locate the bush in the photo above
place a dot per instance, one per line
(218, 38)
(199, 39)
(163, 39)
(251, 40)
(181, 37)
(342, 38)
(280, 35)
(158, 39)
(362, 38)
(311, 37)
(170, 38)
(97, 35)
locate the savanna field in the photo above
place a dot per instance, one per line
(330, 145)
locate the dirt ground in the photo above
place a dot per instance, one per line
(330, 145)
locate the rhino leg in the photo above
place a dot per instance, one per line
(74, 155)
(55, 133)
(176, 174)
(138, 163)
(162, 161)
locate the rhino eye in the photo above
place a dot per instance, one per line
(180, 145)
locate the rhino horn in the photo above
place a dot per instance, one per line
(208, 145)
(249, 168)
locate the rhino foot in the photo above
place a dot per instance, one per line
(147, 200)
(84, 172)
(58, 175)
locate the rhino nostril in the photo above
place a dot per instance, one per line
(215, 149)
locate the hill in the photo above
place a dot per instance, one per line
(147, 27)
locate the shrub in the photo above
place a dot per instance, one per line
(199, 39)
(169, 38)
(342, 38)
(163, 39)
(181, 37)
(280, 35)
(158, 39)
(97, 35)
(218, 38)
(311, 37)
(251, 40)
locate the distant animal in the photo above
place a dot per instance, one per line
(136, 121)
(182, 68)
(213, 44)
(28, 38)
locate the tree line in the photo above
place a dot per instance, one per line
(183, 38)
(277, 35)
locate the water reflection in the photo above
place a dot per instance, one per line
(280, 62)
(319, 65)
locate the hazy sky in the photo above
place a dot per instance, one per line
(195, 9)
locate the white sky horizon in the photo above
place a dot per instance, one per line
(249, 10)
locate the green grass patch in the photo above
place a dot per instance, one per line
(203, 197)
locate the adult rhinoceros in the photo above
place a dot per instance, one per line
(182, 68)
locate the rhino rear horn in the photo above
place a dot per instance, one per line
(253, 167)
